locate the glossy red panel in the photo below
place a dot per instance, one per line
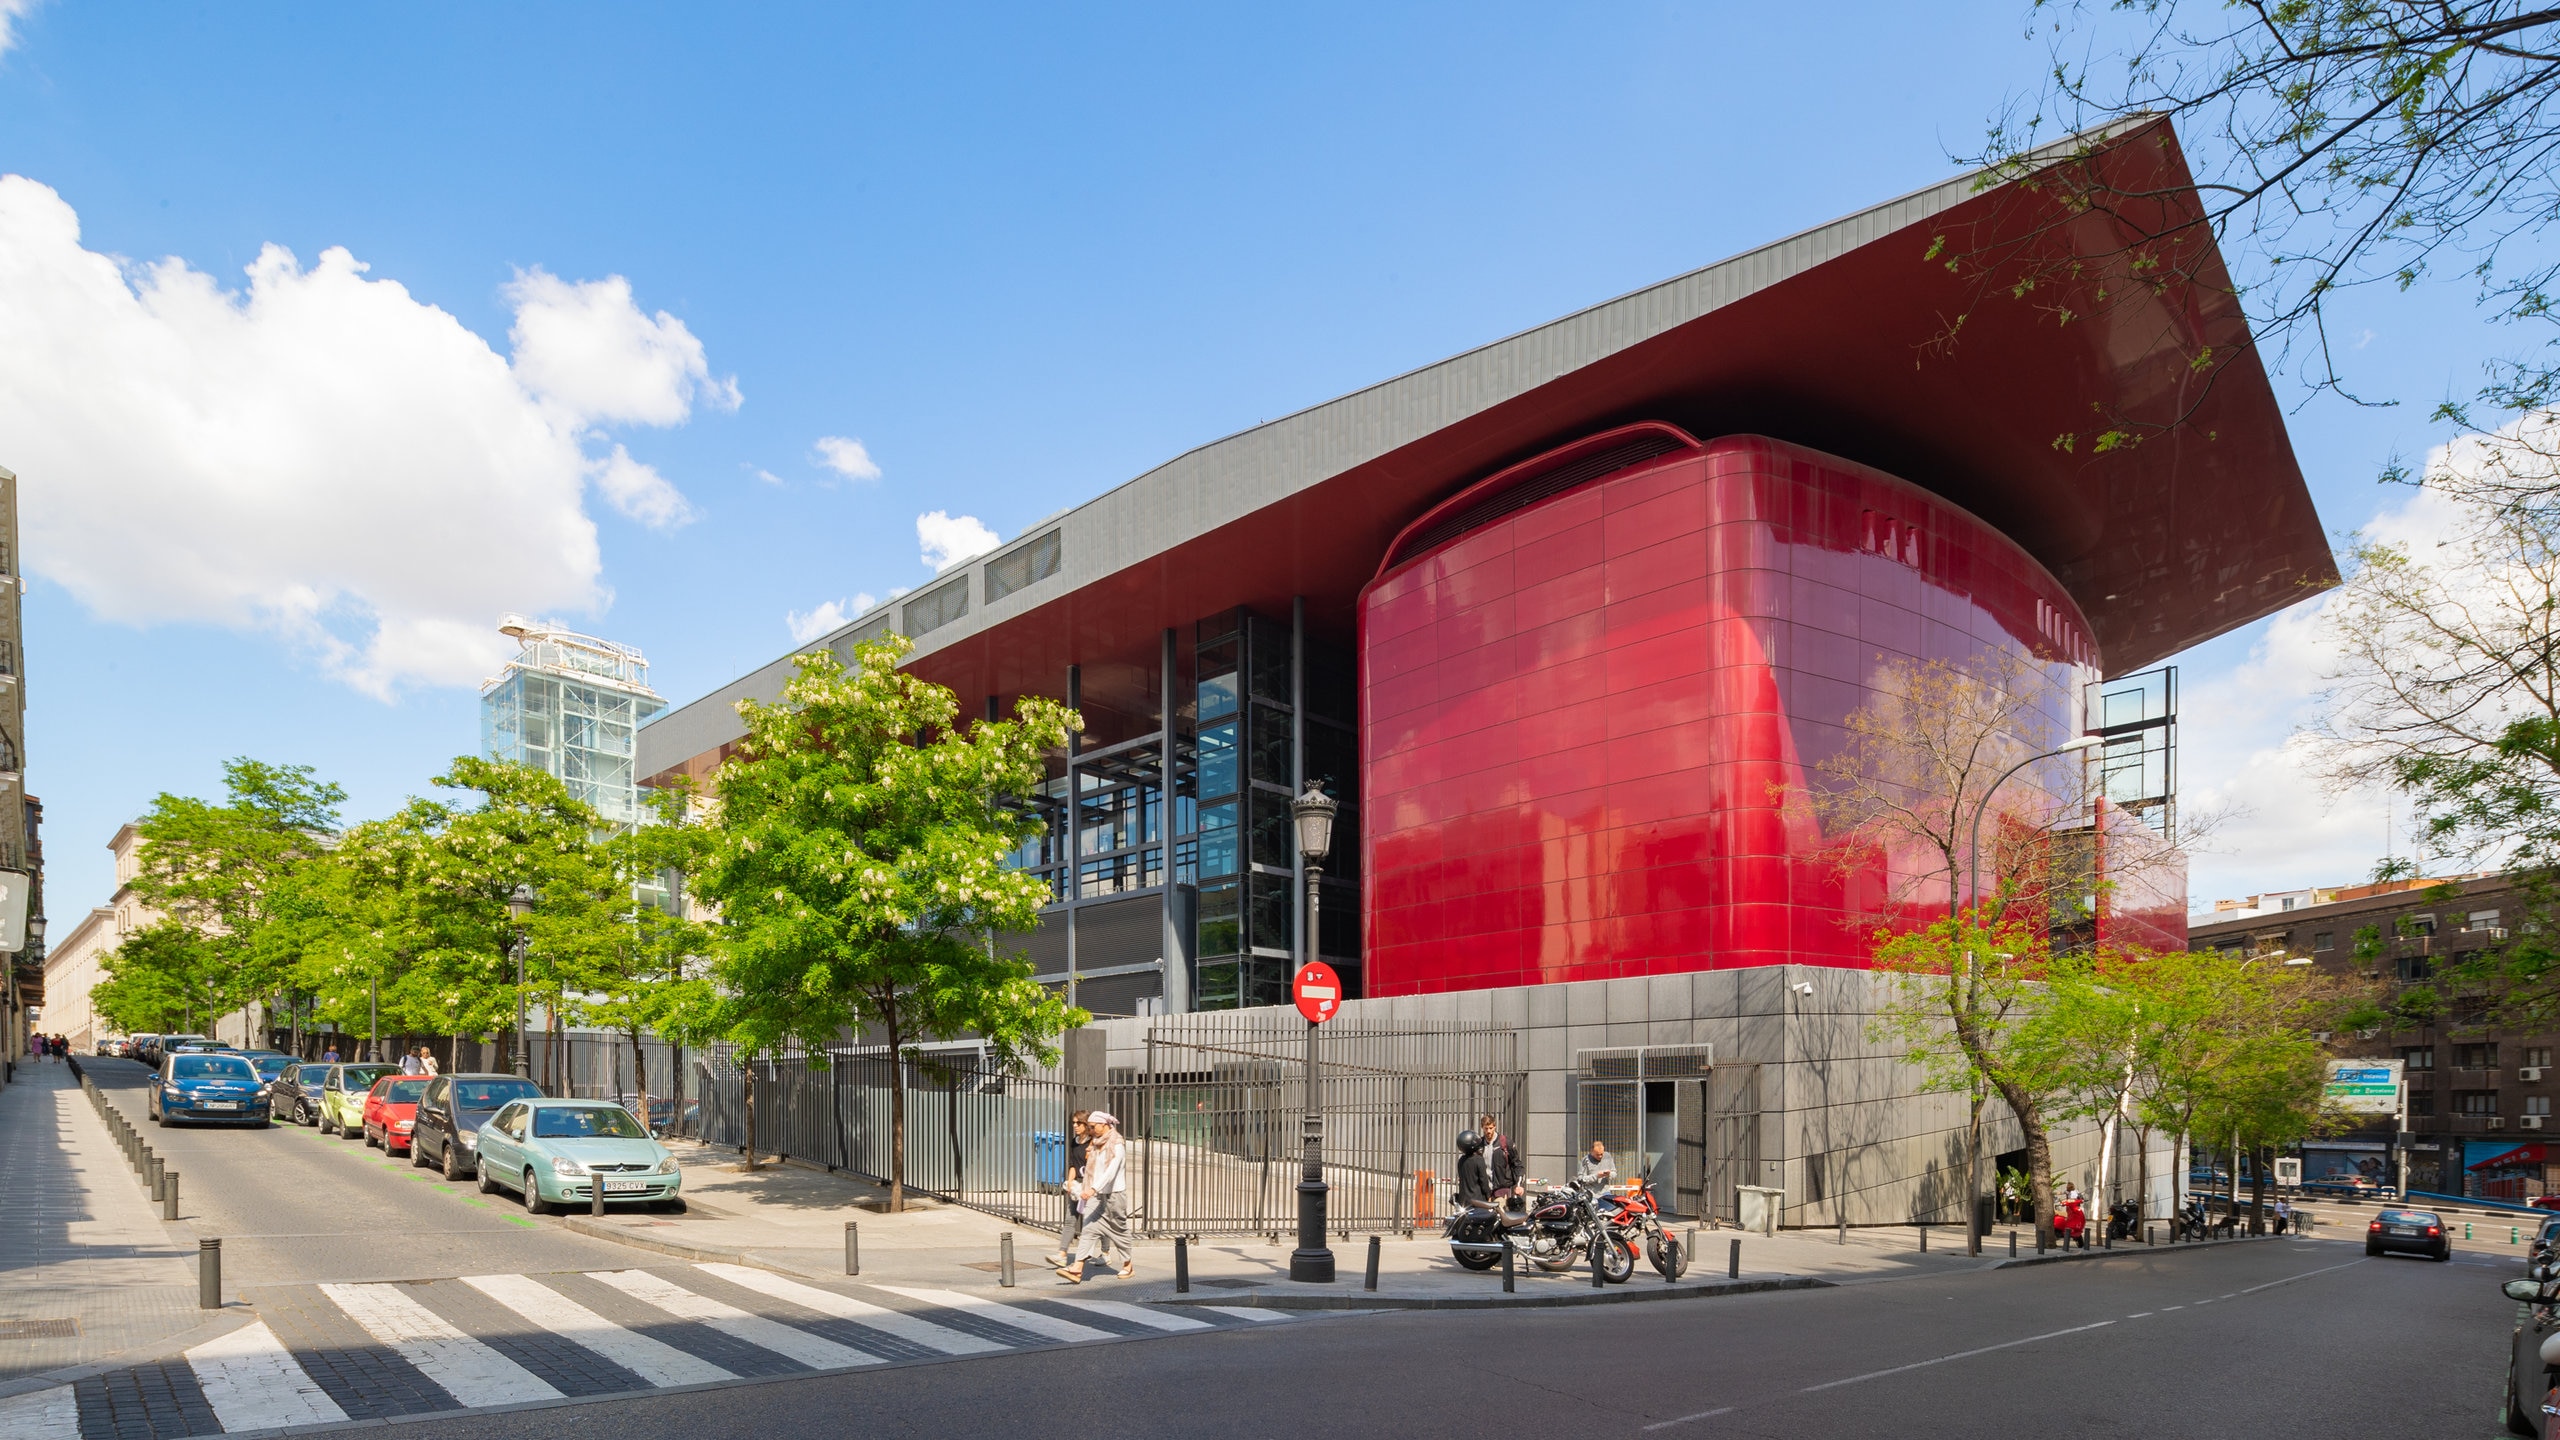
(1606, 775)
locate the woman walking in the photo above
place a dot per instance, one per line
(1078, 1133)
(1106, 1202)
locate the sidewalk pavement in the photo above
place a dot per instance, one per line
(791, 1218)
(88, 1270)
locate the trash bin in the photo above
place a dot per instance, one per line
(1759, 1208)
(1049, 1155)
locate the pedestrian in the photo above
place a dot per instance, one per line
(1597, 1169)
(2284, 1215)
(1501, 1159)
(427, 1062)
(330, 1055)
(1475, 1180)
(1071, 1181)
(409, 1063)
(1106, 1201)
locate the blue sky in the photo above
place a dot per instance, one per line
(1019, 255)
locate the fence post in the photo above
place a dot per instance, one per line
(852, 1248)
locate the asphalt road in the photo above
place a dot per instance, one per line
(292, 1206)
(2260, 1341)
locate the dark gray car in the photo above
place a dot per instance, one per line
(295, 1095)
(451, 1113)
(2530, 1381)
(2408, 1232)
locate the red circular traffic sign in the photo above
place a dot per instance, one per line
(1317, 990)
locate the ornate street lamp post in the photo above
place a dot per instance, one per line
(1312, 1261)
(520, 910)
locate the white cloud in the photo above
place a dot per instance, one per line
(11, 12)
(808, 625)
(950, 539)
(317, 454)
(765, 475)
(586, 346)
(847, 458)
(2242, 748)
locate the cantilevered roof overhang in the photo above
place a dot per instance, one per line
(1830, 339)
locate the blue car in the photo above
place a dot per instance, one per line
(212, 1088)
(554, 1152)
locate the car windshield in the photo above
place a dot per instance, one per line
(359, 1077)
(270, 1066)
(311, 1074)
(566, 1123)
(490, 1094)
(404, 1092)
(211, 1067)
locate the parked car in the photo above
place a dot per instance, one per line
(554, 1152)
(452, 1113)
(2408, 1232)
(295, 1094)
(391, 1112)
(209, 1088)
(342, 1097)
(2531, 1381)
(145, 1048)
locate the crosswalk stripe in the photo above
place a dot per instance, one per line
(862, 1312)
(468, 1370)
(42, 1415)
(254, 1383)
(815, 1351)
(1245, 1312)
(1137, 1314)
(652, 1360)
(1013, 1315)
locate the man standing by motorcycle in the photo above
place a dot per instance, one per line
(1597, 1169)
(1501, 1159)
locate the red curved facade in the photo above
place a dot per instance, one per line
(1590, 706)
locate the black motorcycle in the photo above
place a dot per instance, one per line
(1562, 1225)
(2122, 1217)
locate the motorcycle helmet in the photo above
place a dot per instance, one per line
(1470, 1142)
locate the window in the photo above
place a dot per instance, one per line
(2475, 1057)
(2537, 1104)
(2413, 967)
(2480, 920)
(2537, 1055)
(2323, 940)
(1022, 567)
(2288, 903)
(2422, 1102)
(2476, 1103)
(937, 607)
(2423, 1058)
(2418, 925)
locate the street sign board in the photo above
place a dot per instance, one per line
(2364, 1087)
(13, 911)
(1317, 990)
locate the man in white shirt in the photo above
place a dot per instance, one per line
(409, 1064)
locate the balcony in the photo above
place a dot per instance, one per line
(2480, 1124)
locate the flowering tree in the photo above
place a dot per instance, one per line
(858, 864)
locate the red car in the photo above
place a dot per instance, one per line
(391, 1111)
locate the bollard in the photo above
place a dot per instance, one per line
(1506, 1269)
(595, 1195)
(1004, 1260)
(208, 1274)
(852, 1248)
(2466, 1229)
(2511, 1234)
(1694, 1233)
(1597, 1279)
(1733, 1262)
(2013, 1244)
(1371, 1282)
(1181, 1264)
(1843, 1237)
(1924, 1239)
(169, 1196)
(151, 1176)
(2146, 1234)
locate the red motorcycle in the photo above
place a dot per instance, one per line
(1637, 1212)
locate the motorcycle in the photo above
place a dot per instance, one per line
(1563, 1224)
(2122, 1217)
(1638, 1212)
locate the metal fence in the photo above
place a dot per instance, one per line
(975, 1136)
(1216, 1110)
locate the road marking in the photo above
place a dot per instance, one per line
(1013, 1315)
(468, 1370)
(652, 1360)
(2138, 1314)
(42, 1415)
(2305, 1275)
(862, 1312)
(254, 1383)
(1138, 1314)
(1245, 1312)
(1959, 1355)
(520, 1220)
(1685, 1419)
(2172, 1307)
(815, 1351)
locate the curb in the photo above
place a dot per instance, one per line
(587, 1225)
(1369, 1300)
(234, 1315)
(2130, 1250)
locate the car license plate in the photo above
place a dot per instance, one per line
(2404, 1229)
(222, 1104)
(612, 1186)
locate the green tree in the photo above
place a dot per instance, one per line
(859, 870)
(159, 981)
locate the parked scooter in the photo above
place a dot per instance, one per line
(2122, 1217)
(1562, 1225)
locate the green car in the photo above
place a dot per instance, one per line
(342, 1097)
(554, 1152)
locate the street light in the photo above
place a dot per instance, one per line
(1973, 891)
(1312, 1261)
(519, 910)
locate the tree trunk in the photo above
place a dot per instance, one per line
(2039, 1159)
(2142, 1172)
(1973, 1173)
(2258, 1188)
(749, 1068)
(897, 1112)
(640, 1076)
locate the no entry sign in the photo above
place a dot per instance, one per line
(1317, 990)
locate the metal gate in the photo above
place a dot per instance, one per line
(1217, 1110)
(1647, 1103)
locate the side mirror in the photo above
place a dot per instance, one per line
(2523, 1292)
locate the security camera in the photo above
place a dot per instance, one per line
(1804, 987)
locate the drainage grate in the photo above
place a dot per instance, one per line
(63, 1328)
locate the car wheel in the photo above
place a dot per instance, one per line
(2372, 1250)
(488, 1183)
(451, 1170)
(371, 1143)
(2444, 1254)
(534, 1204)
